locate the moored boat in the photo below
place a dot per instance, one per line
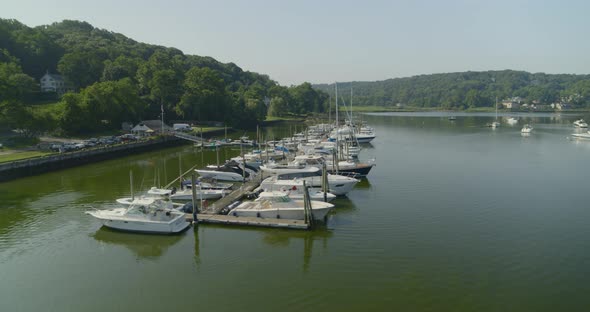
(280, 207)
(143, 216)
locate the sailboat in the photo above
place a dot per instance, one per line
(496, 124)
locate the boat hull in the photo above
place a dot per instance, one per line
(338, 187)
(201, 194)
(220, 175)
(175, 225)
(291, 213)
(357, 171)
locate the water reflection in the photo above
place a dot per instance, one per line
(276, 238)
(149, 247)
(364, 184)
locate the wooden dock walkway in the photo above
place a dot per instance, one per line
(237, 194)
(250, 221)
(212, 215)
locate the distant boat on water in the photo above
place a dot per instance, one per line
(526, 129)
(580, 124)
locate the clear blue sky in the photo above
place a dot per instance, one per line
(327, 41)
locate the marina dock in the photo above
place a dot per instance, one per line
(250, 221)
(228, 199)
(212, 214)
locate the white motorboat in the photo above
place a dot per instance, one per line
(580, 124)
(337, 184)
(144, 216)
(280, 207)
(293, 189)
(231, 171)
(526, 129)
(512, 121)
(365, 136)
(348, 168)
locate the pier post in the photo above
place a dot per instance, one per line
(325, 182)
(307, 211)
(194, 191)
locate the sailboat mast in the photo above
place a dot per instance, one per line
(351, 104)
(336, 108)
(330, 109)
(496, 108)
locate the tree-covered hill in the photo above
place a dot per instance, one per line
(112, 78)
(469, 89)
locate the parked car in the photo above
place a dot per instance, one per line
(129, 137)
(79, 145)
(69, 146)
(89, 143)
(56, 147)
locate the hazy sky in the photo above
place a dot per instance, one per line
(327, 41)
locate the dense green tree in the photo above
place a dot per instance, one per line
(103, 105)
(118, 79)
(278, 107)
(81, 69)
(205, 96)
(460, 90)
(121, 67)
(14, 84)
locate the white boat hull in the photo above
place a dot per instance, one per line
(255, 209)
(583, 136)
(175, 222)
(313, 195)
(336, 186)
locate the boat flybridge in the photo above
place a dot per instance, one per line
(146, 215)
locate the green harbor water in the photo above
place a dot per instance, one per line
(454, 217)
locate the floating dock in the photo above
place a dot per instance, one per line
(237, 194)
(250, 221)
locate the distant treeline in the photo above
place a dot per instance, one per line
(112, 78)
(468, 89)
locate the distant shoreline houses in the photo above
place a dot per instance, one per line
(517, 103)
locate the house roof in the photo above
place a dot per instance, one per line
(156, 125)
(53, 76)
(141, 128)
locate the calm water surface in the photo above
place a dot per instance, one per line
(455, 216)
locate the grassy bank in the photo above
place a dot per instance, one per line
(21, 155)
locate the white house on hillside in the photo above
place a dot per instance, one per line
(53, 83)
